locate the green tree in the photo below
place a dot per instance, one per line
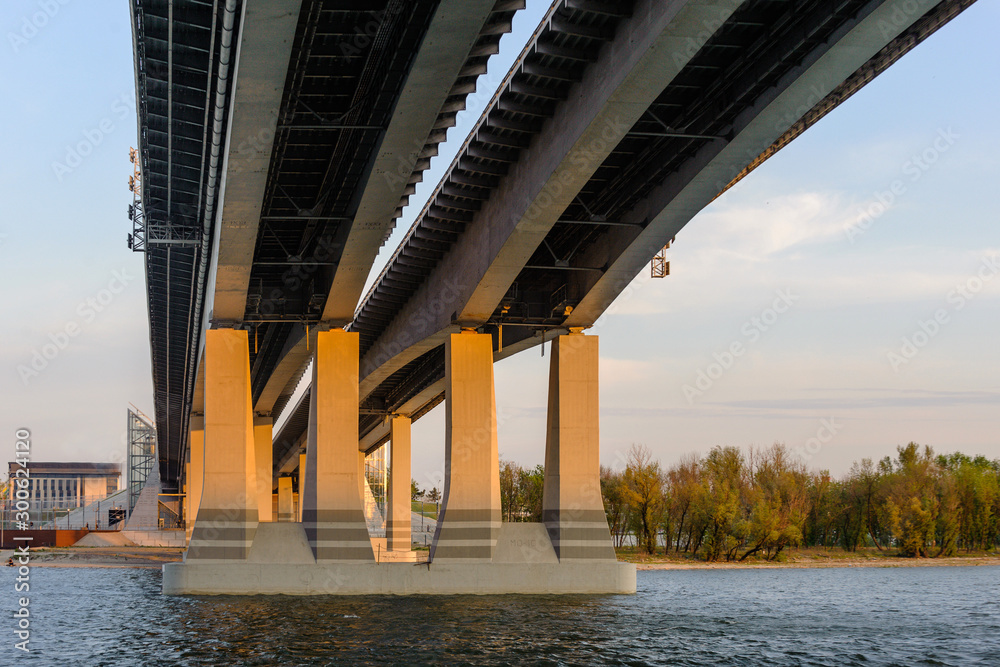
(723, 482)
(684, 488)
(776, 502)
(644, 495)
(532, 492)
(913, 503)
(615, 504)
(510, 490)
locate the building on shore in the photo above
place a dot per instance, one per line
(57, 488)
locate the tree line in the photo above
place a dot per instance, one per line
(731, 504)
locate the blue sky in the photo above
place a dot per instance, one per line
(820, 377)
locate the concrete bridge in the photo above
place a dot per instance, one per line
(278, 145)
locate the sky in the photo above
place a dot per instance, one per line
(842, 299)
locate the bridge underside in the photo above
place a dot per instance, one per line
(524, 241)
(613, 130)
(277, 144)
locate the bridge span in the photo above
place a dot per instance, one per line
(280, 141)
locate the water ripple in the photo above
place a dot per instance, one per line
(813, 618)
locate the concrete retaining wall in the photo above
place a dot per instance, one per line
(157, 538)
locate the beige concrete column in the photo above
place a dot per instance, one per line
(469, 523)
(332, 509)
(196, 445)
(285, 508)
(227, 515)
(572, 508)
(302, 486)
(264, 463)
(398, 521)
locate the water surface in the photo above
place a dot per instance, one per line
(849, 616)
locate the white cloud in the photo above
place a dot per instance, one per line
(755, 232)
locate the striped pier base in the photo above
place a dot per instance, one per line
(466, 535)
(338, 535)
(579, 534)
(398, 534)
(224, 534)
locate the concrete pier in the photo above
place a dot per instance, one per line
(285, 507)
(263, 455)
(398, 521)
(572, 507)
(192, 500)
(332, 510)
(281, 563)
(227, 515)
(470, 509)
(330, 551)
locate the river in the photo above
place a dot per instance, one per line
(862, 616)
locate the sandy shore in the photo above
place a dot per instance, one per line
(886, 561)
(118, 556)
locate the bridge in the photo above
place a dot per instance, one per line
(279, 143)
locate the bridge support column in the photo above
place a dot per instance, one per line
(196, 446)
(469, 522)
(227, 516)
(572, 508)
(263, 440)
(285, 509)
(398, 522)
(332, 510)
(302, 487)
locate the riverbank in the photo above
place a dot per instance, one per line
(117, 556)
(806, 558)
(154, 557)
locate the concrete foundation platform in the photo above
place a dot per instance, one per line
(278, 564)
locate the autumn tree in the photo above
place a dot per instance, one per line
(616, 506)
(684, 485)
(723, 482)
(913, 504)
(644, 495)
